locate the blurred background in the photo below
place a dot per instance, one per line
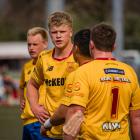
(16, 17)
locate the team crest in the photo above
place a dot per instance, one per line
(70, 66)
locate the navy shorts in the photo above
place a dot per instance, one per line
(32, 132)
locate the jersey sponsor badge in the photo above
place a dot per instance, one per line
(111, 126)
(114, 71)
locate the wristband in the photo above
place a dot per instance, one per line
(47, 124)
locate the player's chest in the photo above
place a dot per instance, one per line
(58, 68)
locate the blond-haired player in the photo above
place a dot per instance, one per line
(37, 40)
(52, 68)
(82, 56)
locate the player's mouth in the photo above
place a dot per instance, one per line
(32, 53)
(58, 42)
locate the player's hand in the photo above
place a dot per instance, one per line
(40, 113)
(22, 104)
(43, 130)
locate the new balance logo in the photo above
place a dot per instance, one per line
(50, 68)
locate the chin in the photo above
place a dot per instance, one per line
(60, 46)
(33, 56)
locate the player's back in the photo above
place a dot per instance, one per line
(111, 86)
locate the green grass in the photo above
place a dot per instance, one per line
(10, 123)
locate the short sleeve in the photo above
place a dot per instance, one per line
(80, 88)
(135, 100)
(22, 79)
(68, 89)
(37, 74)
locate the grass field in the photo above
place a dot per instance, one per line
(10, 123)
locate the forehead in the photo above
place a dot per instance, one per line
(61, 27)
(36, 37)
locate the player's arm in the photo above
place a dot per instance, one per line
(22, 85)
(135, 111)
(22, 99)
(135, 123)
(59, 115)
(73, 117)
(73, 120)
(57, 119)
(33, 97)
(77, 105)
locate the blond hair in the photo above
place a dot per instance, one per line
(38, 30)
(59, 18)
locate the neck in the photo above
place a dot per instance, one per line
(101, 54)
(34, 61)
(83, 60)
(64, 52)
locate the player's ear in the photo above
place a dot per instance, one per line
(114, 47)
(71, 33)
(77, 49)
(45, 44)
(91, 45)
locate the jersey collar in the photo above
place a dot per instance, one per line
(105, 58)
(61, 58)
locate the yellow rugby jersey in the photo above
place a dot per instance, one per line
(107, 89)
(27, 115)
(66, 99)
(54, 73)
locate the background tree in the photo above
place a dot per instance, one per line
(16, 17)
